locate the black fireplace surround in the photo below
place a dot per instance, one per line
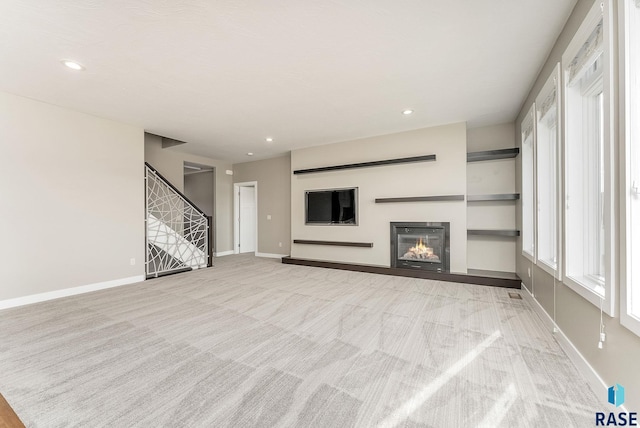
(420, 245)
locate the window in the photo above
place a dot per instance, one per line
(547, 162)
(528, 168)
(588, 207)
(630, 200)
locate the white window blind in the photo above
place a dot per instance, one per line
(528, 179)
(589, 158)
(547, 173)
(630, 298)
(549, 102)
(527, 129)
(587, 55)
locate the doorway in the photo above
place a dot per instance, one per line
(246, 217)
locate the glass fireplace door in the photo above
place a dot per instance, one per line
(420, 245)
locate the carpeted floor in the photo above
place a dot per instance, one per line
(253, 342)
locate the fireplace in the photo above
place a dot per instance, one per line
(416, 245)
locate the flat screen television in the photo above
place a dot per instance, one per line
(332, 206)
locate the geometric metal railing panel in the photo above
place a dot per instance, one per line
(177, 233)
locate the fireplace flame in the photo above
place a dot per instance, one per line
(421, 251)
(421, 248)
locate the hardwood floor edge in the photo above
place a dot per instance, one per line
(8, 417)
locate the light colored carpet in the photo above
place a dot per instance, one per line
(255, 343)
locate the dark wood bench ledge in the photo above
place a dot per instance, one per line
(489, 278)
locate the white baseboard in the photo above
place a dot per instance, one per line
(598, 386)
(224, 253)
(51, 295)
(268, 255)
(271, 255)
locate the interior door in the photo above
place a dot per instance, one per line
(247, 219)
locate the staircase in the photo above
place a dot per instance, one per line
(178, 233)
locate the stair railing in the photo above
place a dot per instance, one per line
(179, 235)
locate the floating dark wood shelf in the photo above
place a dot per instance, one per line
(493, 154)
(494, 197)
(425, 158)
(422, 199)
(490, 280)
(493, 232)
(334, 243)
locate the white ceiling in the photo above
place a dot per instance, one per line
(222, 75)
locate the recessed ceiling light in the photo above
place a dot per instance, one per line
(269, 139)
(250, 154)
(407, 112)
(72, 65)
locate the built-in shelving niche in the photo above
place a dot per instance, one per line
(497, 198)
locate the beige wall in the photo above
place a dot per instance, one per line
(489, 177)
(274, 199)
(576, 317)
(445, 176)
(170, 163)
(71, 189)
(200, 189)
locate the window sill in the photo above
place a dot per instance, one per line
(630, 321)
(589, 289)
(549, 267)
(529, 256)
(590, 283)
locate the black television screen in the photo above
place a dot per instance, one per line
(335, 206)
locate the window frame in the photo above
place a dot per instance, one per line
(630, 147)
(603, 295)
(553, 83)
(592, 112)
(529, 118)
